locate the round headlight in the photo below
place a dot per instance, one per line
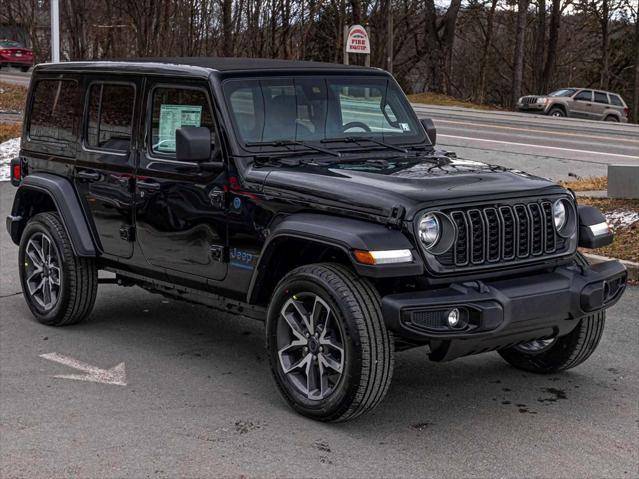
(429, 230)
(559, 214)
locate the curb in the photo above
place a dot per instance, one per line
(631, 266)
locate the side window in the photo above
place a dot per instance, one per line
(110, 116)
(615, 100)
(55, 108)
(584, 95)
(601, 97)
(173, 108)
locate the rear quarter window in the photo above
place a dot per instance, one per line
(55, 111)
(601, 97)
(616, 100)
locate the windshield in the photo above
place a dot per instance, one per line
(563, 92)
(319, 108)
(9, 44)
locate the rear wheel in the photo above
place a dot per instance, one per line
(24, 69)
(556, 112)
(59, 287)
(551, 355)
(330, 352)
(611, 118)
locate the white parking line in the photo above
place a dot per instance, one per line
(539, 146)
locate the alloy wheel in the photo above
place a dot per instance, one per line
(42, 271)
(310, 346)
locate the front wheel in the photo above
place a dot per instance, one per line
(551, 355)
(330, 352)
(556, 112)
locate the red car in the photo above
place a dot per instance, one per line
(14, 54)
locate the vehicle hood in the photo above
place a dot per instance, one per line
(413, 184)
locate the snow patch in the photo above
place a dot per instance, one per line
(8, 151)
(621, 218)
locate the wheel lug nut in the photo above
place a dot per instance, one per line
(314, 357)
(321, 349)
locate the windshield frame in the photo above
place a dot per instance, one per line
(420, 138)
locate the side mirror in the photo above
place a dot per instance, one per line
(193, 144)
(431, 131)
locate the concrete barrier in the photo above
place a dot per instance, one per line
(623, 181)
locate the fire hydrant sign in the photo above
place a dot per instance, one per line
(357, 40)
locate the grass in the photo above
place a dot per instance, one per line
(12, 97)
(626, 242)
(444, 100)
(9, 130)
(592, 183)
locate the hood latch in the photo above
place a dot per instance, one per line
(396, 217)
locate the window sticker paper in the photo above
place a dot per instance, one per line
(173, 117)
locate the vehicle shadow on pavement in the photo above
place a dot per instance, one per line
(215, 345)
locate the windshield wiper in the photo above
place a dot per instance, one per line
(357, 139)
(277, 143)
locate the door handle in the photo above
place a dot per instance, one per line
(149, 185)
(88, 175)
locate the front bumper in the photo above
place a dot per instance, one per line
(502, 313)
(22, 61)
(531, 107)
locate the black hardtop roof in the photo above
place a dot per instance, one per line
(203, 66)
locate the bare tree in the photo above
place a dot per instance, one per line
(518, 56)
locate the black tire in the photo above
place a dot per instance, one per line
(564, 352)
(367, 361)
(611, 118)
(77, 278)
(556, 111)
(24, 69)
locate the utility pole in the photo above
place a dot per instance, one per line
(55, 31)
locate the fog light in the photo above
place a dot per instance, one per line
(453, 318)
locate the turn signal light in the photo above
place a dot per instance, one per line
(383, 257)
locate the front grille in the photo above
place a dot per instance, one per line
(501, 234)
(527, 100)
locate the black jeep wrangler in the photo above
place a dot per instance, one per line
(308, 196)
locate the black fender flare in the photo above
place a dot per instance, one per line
(345, 234)
(62, 193)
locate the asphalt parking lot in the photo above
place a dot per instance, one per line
(199, 401)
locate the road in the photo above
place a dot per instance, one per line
(551, 147)
(11, 75)
(199, 401)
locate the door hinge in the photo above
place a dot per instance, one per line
(217, 252)
(396, 217)
(217, 197)
(127, 232)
